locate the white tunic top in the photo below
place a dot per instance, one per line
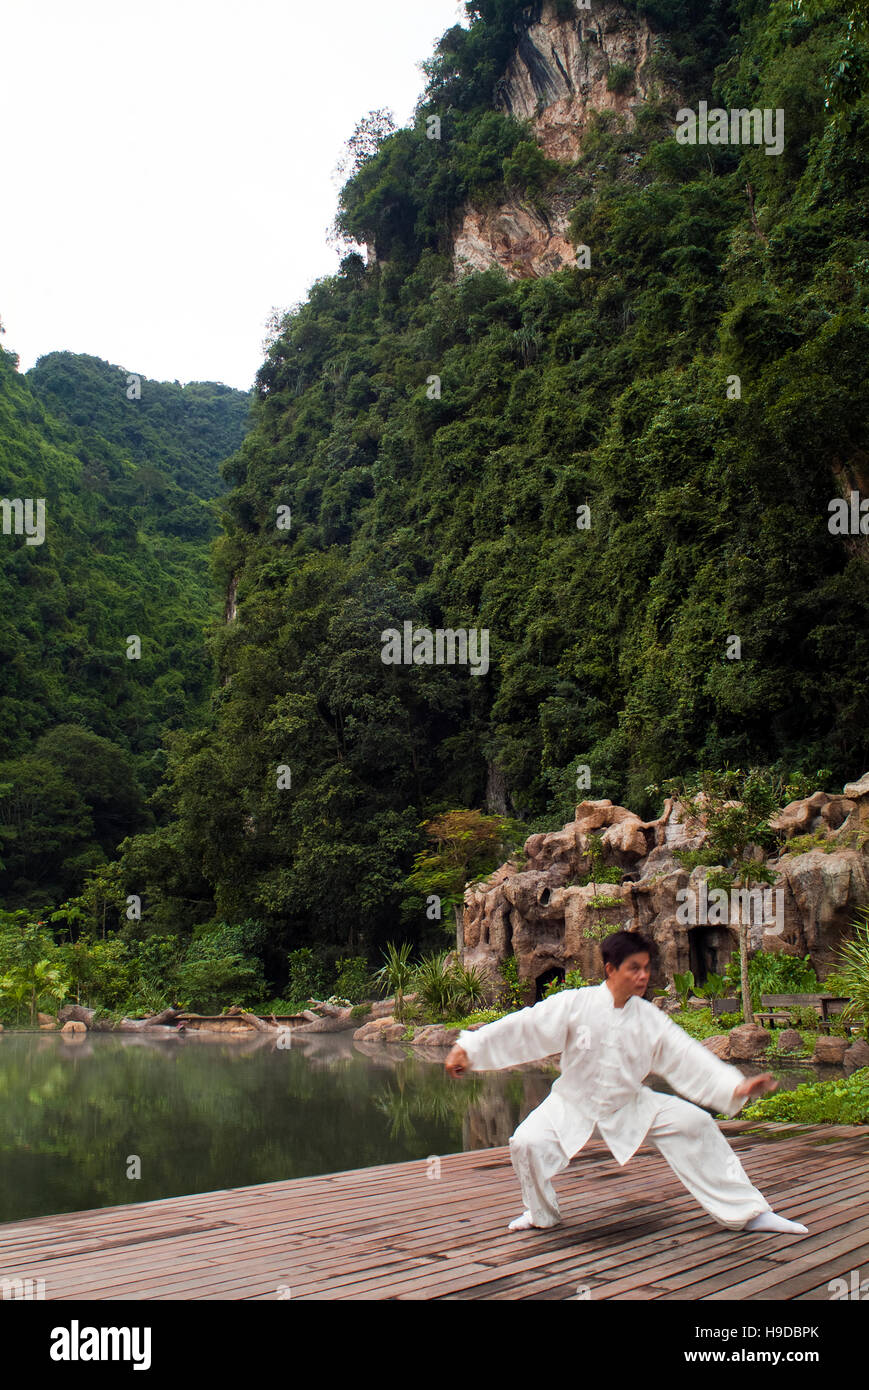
(606, 1053)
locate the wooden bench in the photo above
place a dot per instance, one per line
(777, 1009)
(725, 1006)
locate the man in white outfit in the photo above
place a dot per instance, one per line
(609, 1039)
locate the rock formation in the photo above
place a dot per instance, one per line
(561, 73)
(525, 242)
(562, 69)
(551, 923)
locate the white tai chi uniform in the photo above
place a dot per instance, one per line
(605, 1055)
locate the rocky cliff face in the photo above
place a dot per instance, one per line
(525, 242)
(550, 923)
(558, 78)
(560, 72)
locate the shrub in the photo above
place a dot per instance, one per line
(854, 972)
(610, 874)
(306, 975)
(396, 975)
(511, 996)
(836, 983)
(801, 844)
(684, 986)
(103, 972)
(604, 900)
(471, 985)
(218, 970)
(572, 980)
(154, 966)
(210, 983)
(354, 980)
(699, 1023)
(280, 1007)
(772, 972)
(843, 1102)
(527, 169)
(620, 78)
(713, 987)
(804, 1018)
(435, 985)
(695, 858)
(479, 1016)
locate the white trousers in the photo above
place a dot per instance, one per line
(685, 1135)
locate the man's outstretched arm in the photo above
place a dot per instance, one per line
(700, 1076)
(525, 1036)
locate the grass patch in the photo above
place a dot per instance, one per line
(481, 1016)
(801, 844)
(699, 1023)
(620, 78)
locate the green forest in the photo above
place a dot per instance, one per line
(130, 489)
(260, 785)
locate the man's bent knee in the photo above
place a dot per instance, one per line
(697, 1122)
(527, 1148)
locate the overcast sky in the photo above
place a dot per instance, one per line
(167, 168)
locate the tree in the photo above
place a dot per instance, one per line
(33, 967)
(847, 79)
(468, 846)
(103, 895)
(735, 808)
(365, 141)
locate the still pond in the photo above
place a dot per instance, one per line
(202, 1116)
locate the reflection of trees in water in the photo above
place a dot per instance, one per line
(196, 1115)
(211, 1115)
(504, 1104)
(488, 1107)
(414, 1094)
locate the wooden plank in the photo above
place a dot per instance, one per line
(802, 1274)
(390, 1233)
(681, 1254)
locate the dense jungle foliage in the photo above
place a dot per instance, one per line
(612, 647)
(129, 516)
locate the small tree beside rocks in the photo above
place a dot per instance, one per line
(735, 808)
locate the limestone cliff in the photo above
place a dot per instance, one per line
(558, 77)
(560, 71)
(524, 241)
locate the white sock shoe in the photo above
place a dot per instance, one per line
(770, 1221)
(522, 1223)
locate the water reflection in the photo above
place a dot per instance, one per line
(206, 1114)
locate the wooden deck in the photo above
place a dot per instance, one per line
(391, 1232)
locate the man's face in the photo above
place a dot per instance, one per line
(632, 976)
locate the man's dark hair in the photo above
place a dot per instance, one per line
(616, 948)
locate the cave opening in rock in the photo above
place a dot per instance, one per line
(709, 951)
(556, 973)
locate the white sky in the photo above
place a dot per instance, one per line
(166, 168)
